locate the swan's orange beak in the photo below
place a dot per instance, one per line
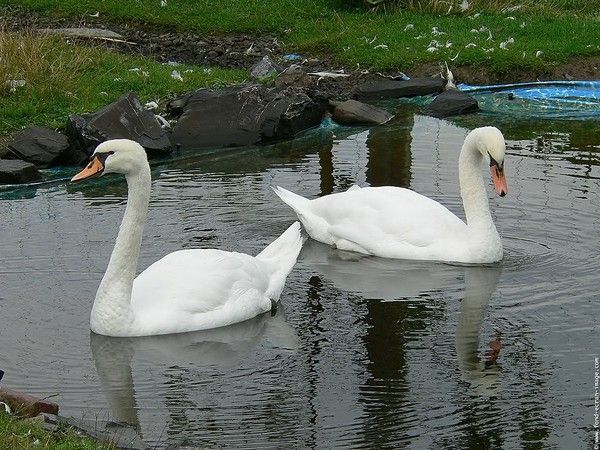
(94, 168)
(499, 180)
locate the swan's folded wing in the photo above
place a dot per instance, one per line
(191, 282)
(387, 219)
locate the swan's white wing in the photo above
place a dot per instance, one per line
(387, 221)
(197, 289)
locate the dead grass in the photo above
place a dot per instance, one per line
(31, 61)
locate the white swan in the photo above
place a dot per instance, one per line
(186, 290)
(393, 222)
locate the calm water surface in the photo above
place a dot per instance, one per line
(363, 352)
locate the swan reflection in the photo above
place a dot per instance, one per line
(390, 280)
(221, 347)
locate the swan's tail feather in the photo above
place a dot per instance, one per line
(281, 255)
(295, 201)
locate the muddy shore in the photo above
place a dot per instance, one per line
(241, 51)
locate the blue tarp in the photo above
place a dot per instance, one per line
(545, 99)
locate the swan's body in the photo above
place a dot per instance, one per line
(187, 290)
(393, 222)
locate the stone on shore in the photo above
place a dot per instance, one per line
(352, 112)
(386, 88)
(265, 68)
(451, 102)
(14, 171)
(25, 405)
(243, 115)
(126, 118)
(44, 148)
(84, 32)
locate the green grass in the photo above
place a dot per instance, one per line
(63, 79)
(23, 435)
(558, 29)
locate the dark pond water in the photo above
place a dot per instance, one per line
(363, 352)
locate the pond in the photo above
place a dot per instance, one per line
(362, 352)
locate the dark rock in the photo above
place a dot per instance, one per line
(25, 405)
(265, 68)
(13, 171)
(451, 102)
(386, 88)
(352, 112)
(124, 119)
(44, 148)
(244, 115)
(295, 75)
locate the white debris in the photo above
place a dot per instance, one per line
(163, 3)
(164, 123)
(488, 50)
(188, 71)
(421, 36)
(490, 36)
(329, 74)
(474, 16)
(6, 408)
(176, 75)
(470, 45)
(434, 43)
(409, 26)
(96, 14)
(455, 56)
(207, 70)
(448, 44)
(539, 53)
(523, 24)
(140, 71)
(511, 18)
(465, 5)
(14, 84)
(504, 44)
(432, 49)
(249, 49)
(383, 46)
(172, 63)
(513, 8)
(104, 93)
(436, 32)
(151, 105)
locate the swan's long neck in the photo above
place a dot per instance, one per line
(472, 190)
(112, 310)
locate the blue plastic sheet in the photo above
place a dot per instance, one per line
(541, 99)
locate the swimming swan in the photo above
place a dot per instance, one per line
(393, 222)
(186, 290)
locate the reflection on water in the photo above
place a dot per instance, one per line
(222, 347)
(371, 352)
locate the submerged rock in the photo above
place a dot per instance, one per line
(44, 148)
(14, 171)
(243, 115)
(352, 112)
(126, 118)
(451, 102)
(386, 88)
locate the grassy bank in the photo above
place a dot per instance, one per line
(500, 34)
(61, 79)
(19, 434)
